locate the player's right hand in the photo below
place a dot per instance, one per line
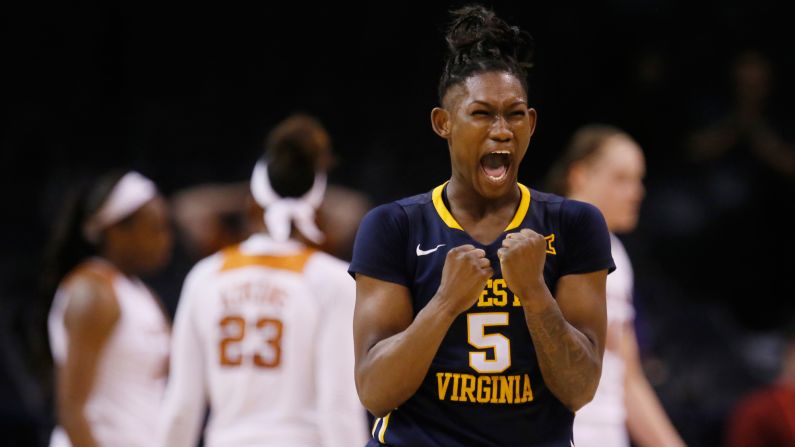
(466, 270)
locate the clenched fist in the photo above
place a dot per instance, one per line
(522, 259)
(466, 270)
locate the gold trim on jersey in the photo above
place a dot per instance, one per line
(524, 205)
(235, 259)
(444, 214)
(384, 421)
(447, 216)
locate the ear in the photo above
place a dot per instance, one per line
(440, 121)
(532, 115)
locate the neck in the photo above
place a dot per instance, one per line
(465, 199)
(119, 261)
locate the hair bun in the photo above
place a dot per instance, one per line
(478, 41)
(477, 33)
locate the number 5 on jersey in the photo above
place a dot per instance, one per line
(268, 353)
(500, 344)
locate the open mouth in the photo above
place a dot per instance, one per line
(495, 165)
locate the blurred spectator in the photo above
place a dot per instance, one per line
(605, 167)
(749, 125)
(739, 181)
(766, 417)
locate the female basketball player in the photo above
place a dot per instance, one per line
(108, 333)
(263, 329)
(480, 310)
(605, 167)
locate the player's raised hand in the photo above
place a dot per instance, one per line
(522, 259)
(466, 270)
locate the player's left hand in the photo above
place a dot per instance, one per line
(522, 259)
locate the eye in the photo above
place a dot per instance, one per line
(480, 112)
(518, 113)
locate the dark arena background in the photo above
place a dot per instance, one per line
(186, 93)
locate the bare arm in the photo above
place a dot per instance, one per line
(90, 317)
(647, 422)
(393, 349)
(568, 331)
(186, 397)
(569, 335)
(340, 416)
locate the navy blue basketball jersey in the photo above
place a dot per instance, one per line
(484, 386)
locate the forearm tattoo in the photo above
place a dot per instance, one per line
(568, 360)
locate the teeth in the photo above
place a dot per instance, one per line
(496, 162)
(504, 174)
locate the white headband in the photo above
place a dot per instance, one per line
(281, 212)
(128, 195)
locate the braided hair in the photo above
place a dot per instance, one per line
(478, 41)
(68, 246)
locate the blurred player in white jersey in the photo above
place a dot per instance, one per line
(605, 167)
(108, 333)
(263, 330)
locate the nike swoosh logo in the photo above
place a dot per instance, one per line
(427, 252)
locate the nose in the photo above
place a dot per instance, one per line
(500, 130)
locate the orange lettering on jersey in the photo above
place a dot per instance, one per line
(262, 293)
(268, 352)
(233, 330)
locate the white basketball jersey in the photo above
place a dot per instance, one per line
(123, 408)
(263, 334)
(602, 422)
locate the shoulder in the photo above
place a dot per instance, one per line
(545, 198)
(396, 214)
(327, 265)
(570, 210)
(425, 198)
(388, 213)
(387, 220)
(584, 239)
(209, 265)
(204, 270)
(329, 278)
(91, 296)
(577, 212)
